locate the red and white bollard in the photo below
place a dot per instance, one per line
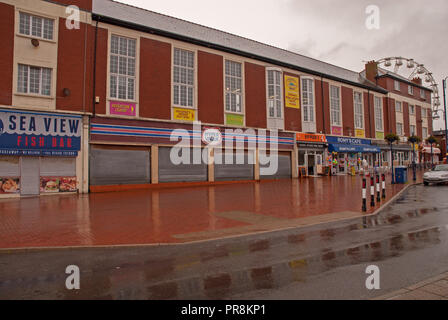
(378, 197)
(383, 177)
(372, 191)
(364, 194)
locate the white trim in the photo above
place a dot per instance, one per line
(313, 92)
(362, 110)
(243, 90)
(340, 107)
(275, 122)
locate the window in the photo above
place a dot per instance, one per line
(411, 90)
(234, 90)
(412, 129)
(397, 85)
(183, 78)
(411, 109)
(378, 114)
(308, 99)
(398, 106)
(36, 26)
(122, 68)
(275, 93)
(359, 115)
(424, 113)
(424, 133)
(422, 94)
(335, 106)
(34, 80)
(399, 129)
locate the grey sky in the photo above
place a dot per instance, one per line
(329, 30)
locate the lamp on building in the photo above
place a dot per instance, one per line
(66, 92)
(35, 42)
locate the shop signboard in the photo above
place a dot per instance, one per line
(234, 119)
(360, 133)
(292, 96)
(122, 108)
(9, 185)
(39, 134)
(337, 131)
(379, 135)
(311, 137)
(183, 114)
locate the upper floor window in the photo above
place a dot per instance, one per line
(399, 128)
(308, 99)
(411, 90)
(397, 85)
(38, 27)
(234, 87)
(378, 114)
(411, 109)
(422, 94)
(34, 80)
(274, 93)
(424, 132)
(359, 114)
(183, 78)
(122, 68)
(398, 106)
(424, 113)
(412, 129)
(335, 106)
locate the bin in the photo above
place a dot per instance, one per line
(401, 174)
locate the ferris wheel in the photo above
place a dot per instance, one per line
(414, 68)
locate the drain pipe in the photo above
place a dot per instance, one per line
(94, 70)
(323, 105)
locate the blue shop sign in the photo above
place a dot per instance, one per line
(346, 140)
(351, 145)
(39, 134)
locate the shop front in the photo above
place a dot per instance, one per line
(347, 154)
(311, 153)
(402, 154)
(39, 153)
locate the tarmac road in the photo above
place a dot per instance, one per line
(407, 241)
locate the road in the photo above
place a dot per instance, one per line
(407, 241)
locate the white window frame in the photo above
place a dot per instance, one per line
(117, 74)
(229, 91)
(400, 132)
(411, 110)
(422, 94)
(396, 85)
(308, 105)
(378, 115)
(424, 112)
(401, 106)
(31, 17)
(29, 81)
(332, 100)
(423, 133)
(268, 99)
(180, 84)
(356, 114)
(412, 132)
(410, 90)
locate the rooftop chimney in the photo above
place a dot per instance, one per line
(417, 80)
(371, 71)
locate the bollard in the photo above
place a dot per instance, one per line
(364, 194)
(372, 191)
(383, 177)
(378, 197)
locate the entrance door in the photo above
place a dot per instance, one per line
(30, 176)
(311, 164)
(400, 158)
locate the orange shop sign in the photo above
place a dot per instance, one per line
(311, 137)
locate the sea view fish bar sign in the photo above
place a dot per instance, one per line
(35, 133)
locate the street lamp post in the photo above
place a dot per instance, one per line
(414, 177)
(444, 110)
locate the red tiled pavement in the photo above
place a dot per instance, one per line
(157, 216)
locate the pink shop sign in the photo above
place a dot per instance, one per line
(123, 108)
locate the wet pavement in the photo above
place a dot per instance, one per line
(179, 215)
(406, 240)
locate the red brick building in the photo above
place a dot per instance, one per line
(132, 77)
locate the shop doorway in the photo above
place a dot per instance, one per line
(30, 176)
(311, 162)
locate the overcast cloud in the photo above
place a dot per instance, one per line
(330, 30)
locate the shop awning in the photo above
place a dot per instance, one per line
(428, 150)
(353, 148)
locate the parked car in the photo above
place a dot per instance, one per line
(438, 175)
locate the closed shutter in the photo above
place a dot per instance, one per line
(284, 167)
(231, 170)
(190, 172)
(57, 167)
(30, 179)
(114, 166)
(9, 167)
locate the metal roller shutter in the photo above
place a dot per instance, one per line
(170, 172)
(109, 166)
(30, 178)
(57, 167)
(227, 171)
(9, 167)
(284, 167)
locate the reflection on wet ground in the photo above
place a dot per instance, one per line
(224, 268)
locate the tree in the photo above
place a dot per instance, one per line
(390, 139)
